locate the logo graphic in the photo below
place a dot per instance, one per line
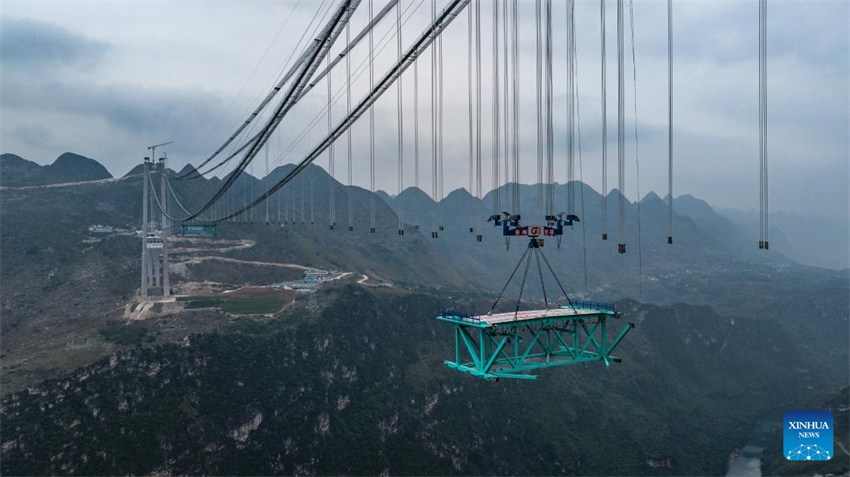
(807, 435)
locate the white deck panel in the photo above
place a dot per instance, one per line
(499, 318)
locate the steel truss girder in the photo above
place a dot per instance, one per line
(513, 352)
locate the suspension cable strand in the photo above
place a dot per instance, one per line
(155, 198)
(580, 162)
(522, 284)
(516, 105)
(761, 125)
(669, 121)
(400, 128)
(621, 153)
(174, 194)
(506, 105)
(444, 19)
(267, 175)
(764, 124)
(371, 123)
(277, 87)
(552, 271)
(434, 118)
(604, 91)
(331, 165)
(637, 144)
(195, 174)
(547, 103)
(337, 97)
(521, 259)
(478, 117)
(570, 94)
(348, 132)
(538, 90)
(371, 25)
(469, 64)
(542, 282)
(496, 127)
(570, 109)
(328, 35)
(441, 135)
(416, 124)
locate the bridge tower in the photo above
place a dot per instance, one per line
(155, 277)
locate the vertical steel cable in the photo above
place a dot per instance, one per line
(434, 152)
(515, 84)
(604, 128)
(506, 105)
(348, 113)
(761, 124)
(621, 157)
(763, 115)
(538, 90)
(570, 108)
(441, 135)
(331, 165)
(548, 101)
(469, 64)
(496, 127)
(416, 123)
(478, 117)
(637, 143)
(580, 163)
(400, 128)
(372, 120)
(267, 175)
(670, 121)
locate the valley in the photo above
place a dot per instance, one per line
(241, 371)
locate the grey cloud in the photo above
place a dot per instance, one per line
(131, 108)
(34, 44)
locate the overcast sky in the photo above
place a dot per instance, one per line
(106, 79)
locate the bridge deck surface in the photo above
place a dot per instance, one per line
(528, 315)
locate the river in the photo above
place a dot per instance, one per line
(748, 462)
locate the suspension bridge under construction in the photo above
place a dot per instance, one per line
(493, 345)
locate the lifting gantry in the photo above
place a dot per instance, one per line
(510, 345)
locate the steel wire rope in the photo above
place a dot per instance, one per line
(446, 17)
(383, 43)
(280, 74)
(637, 144)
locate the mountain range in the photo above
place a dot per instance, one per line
(16, 171)
(351, 381)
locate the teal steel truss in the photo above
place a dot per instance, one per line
(490, 348)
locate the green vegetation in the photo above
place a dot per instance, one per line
(361, 389)
(252, 305)
(201, 302)
(124, 334)
(238, 305)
